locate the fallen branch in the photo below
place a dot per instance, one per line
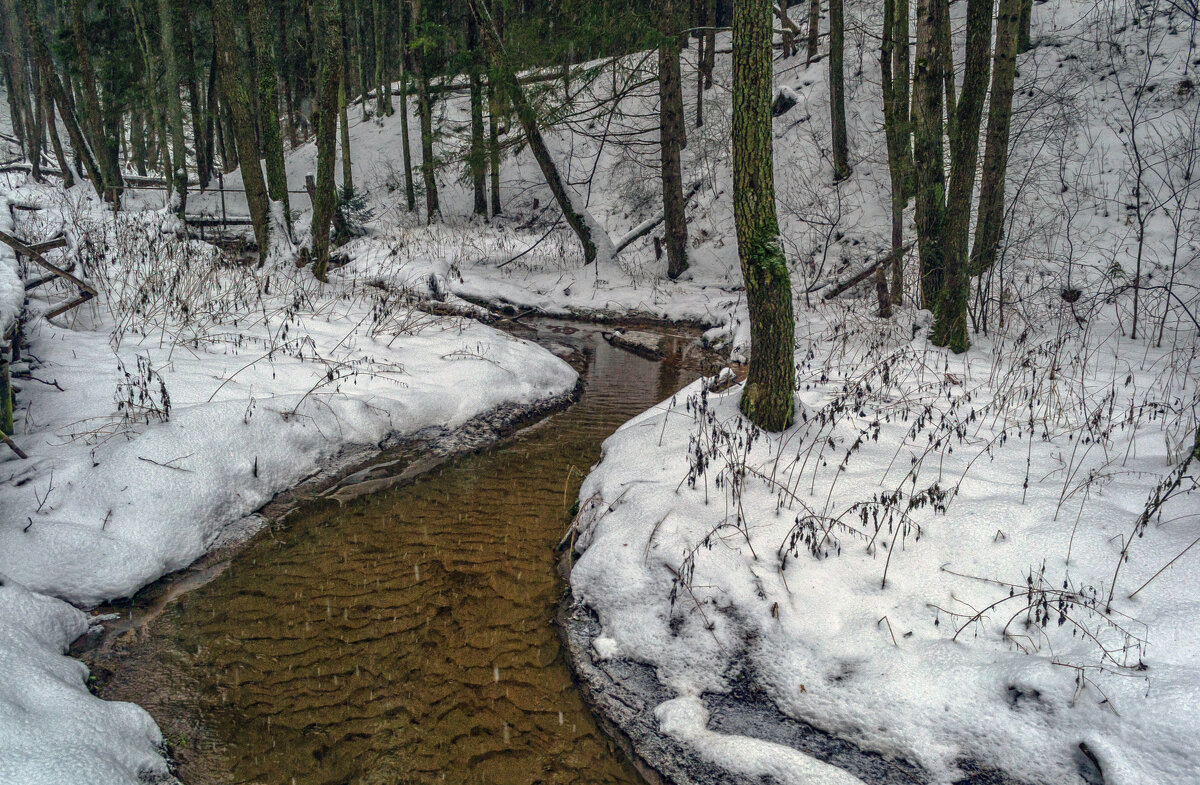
(22, 248)
(643, 229)
(857, 278)
(13, 445)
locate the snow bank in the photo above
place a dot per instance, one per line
(922, 564)
(52, 730)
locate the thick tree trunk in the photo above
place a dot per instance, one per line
(768, 399)
(237, 98)
(950, 327)
(902, 81)
(328, 87)
(927, 149)
(289, 78)
(179, 172)
(989, 225)
(670, 134)
(837, 91)
(502, 72)
(477, 157)
(425, 110)
(268, 99)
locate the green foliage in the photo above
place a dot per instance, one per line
(354, 213)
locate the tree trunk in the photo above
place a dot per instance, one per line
(670, 134)
(110, 184)
(950, 327)
(41, 53)
(328, 88)
(928, 88)
(405, 23)
(768, 399)
(383, 94)
(268, 98)
(289, 77)
(837, 91)
(64, 163)
(237, 98)
(203, 164)
(179, 173)
(503, 73)
(494, 145)
(425, 110)
(945, 50)
(989, 225)
(896, 137)
(814, 28)
(1024, 40)
(477, 157)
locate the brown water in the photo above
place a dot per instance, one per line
(405, 637)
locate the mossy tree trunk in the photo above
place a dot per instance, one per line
(419, 42)
(383, 94)
(170, 55)
(768, 399)
(329, 85)
(837, 91)
(989, 224)
(671, 135)
(234, 92)
(950, 326)
(927, 149)
(268, 97)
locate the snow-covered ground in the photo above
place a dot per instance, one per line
(995, 491)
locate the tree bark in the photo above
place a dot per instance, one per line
(41, 53)
(203, 163)
(237, 98)
(989, 225)
(837, 91)
(768, 399)
(896, 139)
(409, 190)
(1024, 39)
(111, 182)
(179, 173)
(328, 87)
(425, 110)
(950, 327)
(383, 90)
(268, 97)
(670, 133)
(477, 157)
(814, 28)
(494, 146)
(927, 149)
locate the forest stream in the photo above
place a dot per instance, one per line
(404, 635)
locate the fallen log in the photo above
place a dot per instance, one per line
(857, 278)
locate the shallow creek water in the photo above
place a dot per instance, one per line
(405, 635)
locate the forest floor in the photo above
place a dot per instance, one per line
(942, 561)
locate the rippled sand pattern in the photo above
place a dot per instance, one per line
(405, 637)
